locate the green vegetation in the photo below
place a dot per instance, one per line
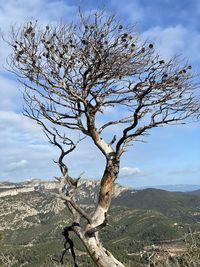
(183, 207)
(136, 220)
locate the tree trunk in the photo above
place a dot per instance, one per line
(100, 255)
(106, 190)
(88, 234)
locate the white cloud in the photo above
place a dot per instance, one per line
(20, 136)
(174, 40)
(16, 128)
(17, 165)
(131, 9)
(129, 171)
(10, 95)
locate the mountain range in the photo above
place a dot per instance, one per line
(32, 219)
(174, 187)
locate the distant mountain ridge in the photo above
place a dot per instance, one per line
(52, 184)
(173, 187)
(86, 189)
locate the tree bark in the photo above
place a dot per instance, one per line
(106, 190)
(100, 255)
(89, 234)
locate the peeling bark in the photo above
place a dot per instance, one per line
(100, 255)
(106, 190)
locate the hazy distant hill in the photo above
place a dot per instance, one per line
(174, 188)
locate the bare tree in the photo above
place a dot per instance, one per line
(72, 74)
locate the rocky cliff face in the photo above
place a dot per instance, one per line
(86, 187)
(29, 204)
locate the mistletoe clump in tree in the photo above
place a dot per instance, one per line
(71, 75)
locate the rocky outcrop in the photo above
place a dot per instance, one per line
(33, 185)
(87, 188)
(32, 203)
(16, 191)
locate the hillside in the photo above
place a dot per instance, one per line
(184, 207)
(31, 222)
(196, 192)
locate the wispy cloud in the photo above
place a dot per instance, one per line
(131, 10)
(17, 165)
(12, 118)
(21, 136)
(10, 96)
(173, 40)
(129, 171)
(185, 171)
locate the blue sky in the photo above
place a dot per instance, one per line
(171, 154)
